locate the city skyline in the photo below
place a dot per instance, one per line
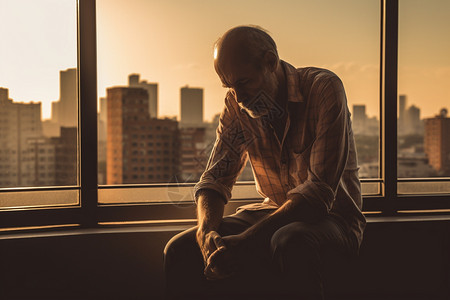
(183, 51)
(403, 104)
(135, 147)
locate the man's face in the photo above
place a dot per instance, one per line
(254, 90)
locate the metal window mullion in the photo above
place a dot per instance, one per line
(87, 83)
(389, 112)
(381, 105)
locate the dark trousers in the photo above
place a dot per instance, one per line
(290, 267)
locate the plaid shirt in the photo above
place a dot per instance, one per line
(316, 156)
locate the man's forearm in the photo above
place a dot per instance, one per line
(210, 207)
(295, 209)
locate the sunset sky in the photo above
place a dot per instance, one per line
(170, 42)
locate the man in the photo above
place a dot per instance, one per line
(294, 126)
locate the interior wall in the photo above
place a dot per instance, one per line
(401, 259)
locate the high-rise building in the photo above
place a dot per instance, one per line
(50, 128)
(152, 91)
(193, 155)
(18, 123)
(402, 100)
(68, 108)
(38, 162)
(359, 119)
(101, 120)
(401, 122)
(413, 123)
(409, 118)
(55, 112)
(359, 112)
(103, 109)
(51, 161)
(437, 142)
(4, 94)
(140, 149)
(27, 157)
(191, 106)
(66, 156)
(65, 111)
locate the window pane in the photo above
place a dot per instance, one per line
(160, 97)
(38, 100)
(172, 193)
(440, 187)
(424, 73)
(26, 199)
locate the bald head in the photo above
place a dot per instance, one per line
(245, 44)
(246, 61)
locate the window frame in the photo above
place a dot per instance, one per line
(89, 214)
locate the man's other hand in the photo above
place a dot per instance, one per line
(225, 261)
(208, 243)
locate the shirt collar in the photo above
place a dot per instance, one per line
(292, 82)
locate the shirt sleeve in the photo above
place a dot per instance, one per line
(228, 157)
(330, 149)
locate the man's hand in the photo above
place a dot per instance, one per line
(208, 243)
(226, 260)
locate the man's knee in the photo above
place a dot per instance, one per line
(294, 247)
(296, 236)
(181, 245)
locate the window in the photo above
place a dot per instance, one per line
(424, 101)
(157, 72)
(39, 103)
(154, 194)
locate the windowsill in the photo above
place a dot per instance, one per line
(94, 231)
(179, 225)
(399, 218)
